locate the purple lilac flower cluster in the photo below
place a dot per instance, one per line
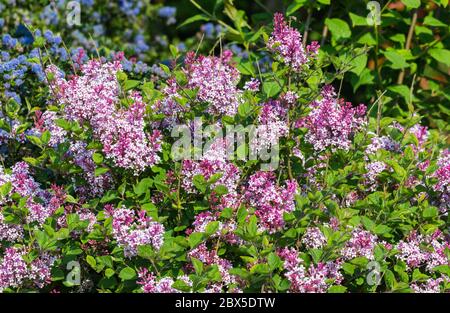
(93, 98)
(132, 229)
(331, 123)
(272, 125)
(40, 203)
(361, 243)
(286, 43)
(419, 250)
(315, 279)
(270, 200)
(16, 272)
(209, 257)
(216, 80)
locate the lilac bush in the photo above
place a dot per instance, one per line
(90, 176)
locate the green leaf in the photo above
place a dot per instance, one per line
(246, 68)
(130, 84)
(45, 137)
(221, 190)
(368, 223)
(91, 261)
(431, 21)
(260, 268)
(109, 272)
(97, 157)
(211, 228)
(181, 285)
(100, 170)
(418, 276)
(252, 227)
(192, 19)
(226, 213)
(400, 38)
(44, 241)
(294, 6)
(39, 42)
(381, 229)
(143, 186)
(411, 4)
(430, 212)
(338, 28)
(440, 55)
(337, 289)
(34, 140)
(198, 265)
(396, 59)
(173, 50)
(146, 252)
(274, 261)
(195, 239)
(389, 278)
(359, 64)
(358, 20)
(245, 109)
(199, 182)
(402, 90)
(5, 189)
(398, 169)
(127, 274)
(271, 88)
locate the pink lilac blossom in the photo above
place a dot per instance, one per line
(314, 238)
(419, 131)
(15, 272)
(331, 123)
(252, 85)
(24, 184)
(290, 97)
(169, 106)
(382, 142)
(93, 97)
(86, 215)
(151, 284)
(316, 279)
(418, 250)
(430, 286)
(271, 127)
(270, 200)
(46, 122)
(224, 231)
(95, 185)
(351, 198)
(216, 80)
(286, 43)
(373, 171)
(442, 185)
(131, 230)
(361, 244)
(9, 232)
(125, 141)
(210, 257)
(213, 162)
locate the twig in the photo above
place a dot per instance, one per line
(325, 28)
(401, 76)
(306, 32)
